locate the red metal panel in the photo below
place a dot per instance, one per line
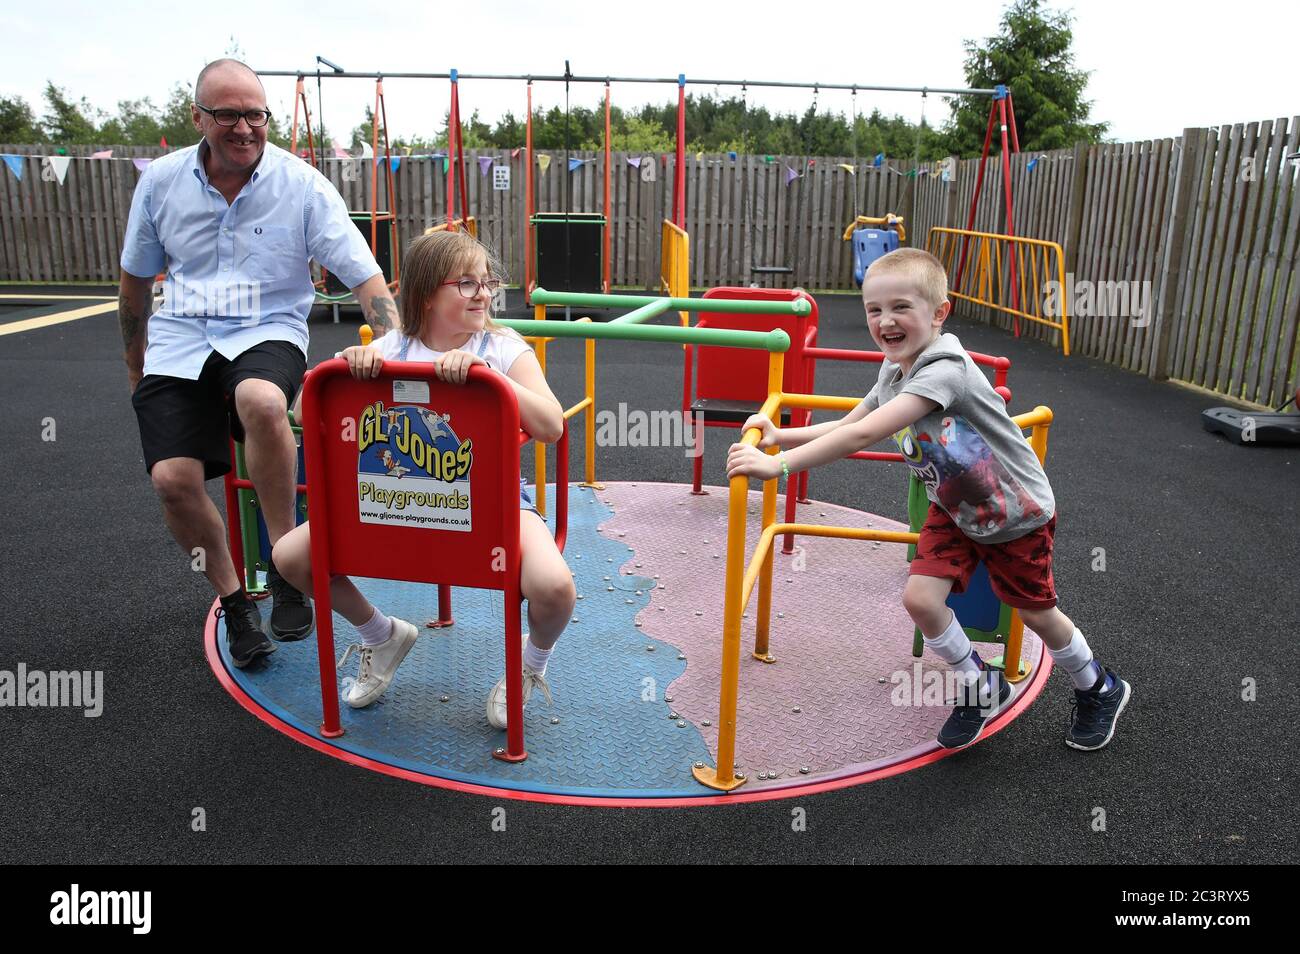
(733, 374)
(361, 424)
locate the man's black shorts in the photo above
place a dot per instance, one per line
(183, 418)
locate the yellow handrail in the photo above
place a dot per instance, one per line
(741, 576)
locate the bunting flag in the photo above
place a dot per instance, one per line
(394, 162)
(163, 142)
(341, 153)
(732, 155)
(769, 159)
(366, 151)
(141, 164)
(543, 163)
(15, 164)
(446, 163)
(811, 163)
(1029, 166)
(102, 154)
(408, 152)
(879, 160)
(485, 164)
(699, 156)
(851, 170)
(634, 162)
(58, 166)
(578, 163)
(514, 153)
(791, 174)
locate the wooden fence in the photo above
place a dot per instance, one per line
(1182, 253)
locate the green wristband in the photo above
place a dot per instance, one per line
(785, 468)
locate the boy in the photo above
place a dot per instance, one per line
(989, 496)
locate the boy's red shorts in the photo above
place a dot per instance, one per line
(1020, 570)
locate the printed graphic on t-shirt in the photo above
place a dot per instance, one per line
(962, 474)
(412, 468)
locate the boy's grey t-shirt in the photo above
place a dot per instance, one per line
(975, 463)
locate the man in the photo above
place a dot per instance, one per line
(234, 222)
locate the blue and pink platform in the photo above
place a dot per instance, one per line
(635, 676)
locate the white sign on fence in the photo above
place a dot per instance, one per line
(501, 178)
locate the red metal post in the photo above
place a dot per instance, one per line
(1011, 229)
(679, 177)
(528, 200)
(975, 198)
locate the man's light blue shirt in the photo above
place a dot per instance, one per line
(237, 274)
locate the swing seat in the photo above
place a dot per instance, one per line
(1268, 428)
(869, 245)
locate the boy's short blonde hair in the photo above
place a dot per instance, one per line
(923, 270)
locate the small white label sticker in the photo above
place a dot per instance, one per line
(410, 392)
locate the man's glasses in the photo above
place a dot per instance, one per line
(231, 117)
(469, 286)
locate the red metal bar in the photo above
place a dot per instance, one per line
(974, 199)
(1015, 135)
(460, 164)
(374, 166)
(1011, 230)
(395, 278)
(241, 483)
(234, 526)
(528, 201)
(562, 488)
(451, 146)
(679, 177)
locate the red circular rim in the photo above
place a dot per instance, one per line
(1036, 682)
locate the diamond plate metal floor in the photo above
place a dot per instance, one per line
(635, 676)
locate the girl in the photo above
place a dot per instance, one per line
(447, 288)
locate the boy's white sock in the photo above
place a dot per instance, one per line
(376, 630)
(536, 659)
(1076, 659)
(953, 647)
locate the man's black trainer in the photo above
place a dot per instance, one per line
(1095, 713)
(291, 614)
(976, 704)
(244, 636)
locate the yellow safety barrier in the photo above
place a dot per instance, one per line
(675, 265)
(587, 404)
(886, 220)
(740, 578)
(469, 224)
(989, 269)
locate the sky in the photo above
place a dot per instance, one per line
(1156, 67)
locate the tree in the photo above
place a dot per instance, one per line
(17, 122)
(69, 122)
(1032, 56)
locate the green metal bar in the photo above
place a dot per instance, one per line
(644, 313)
(798, 307)
(775, 340)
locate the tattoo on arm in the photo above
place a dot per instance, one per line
(131, 319)
(382, 314)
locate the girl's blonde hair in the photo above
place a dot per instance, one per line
(436, 258)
